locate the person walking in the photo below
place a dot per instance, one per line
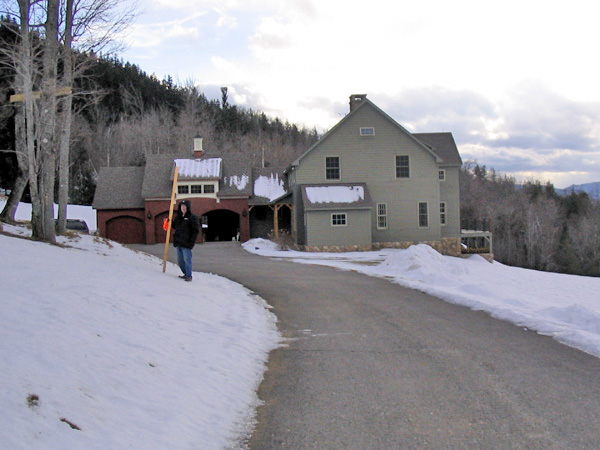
(187, 227)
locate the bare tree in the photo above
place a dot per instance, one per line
(92, 25)
(45, 27)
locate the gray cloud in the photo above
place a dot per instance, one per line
(540, 132)
(537, 118)
(532, 129)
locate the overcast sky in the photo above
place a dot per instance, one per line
(516, 82)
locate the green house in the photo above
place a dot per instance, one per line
(369, 183)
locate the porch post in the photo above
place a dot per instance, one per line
(276, 220)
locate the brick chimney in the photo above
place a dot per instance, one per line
(356, 99)
(198, 150)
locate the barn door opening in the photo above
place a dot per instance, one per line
(220, 225)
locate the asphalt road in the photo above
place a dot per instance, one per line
(372, 365)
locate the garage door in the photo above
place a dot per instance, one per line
(126, 229)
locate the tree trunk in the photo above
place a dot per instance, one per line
(25, 74)
(43, 207)
(8, 213)
(65, 122)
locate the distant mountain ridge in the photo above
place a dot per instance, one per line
(591, 189)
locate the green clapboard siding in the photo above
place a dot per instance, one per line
(371, 160)
(320, 232)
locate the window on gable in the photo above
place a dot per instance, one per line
(338, 220)
(402, 166)
(443, 213)
(196, 189)
(423, 215)
(184, 189)
(332, 167)
(381, 216)
(367, 131)
(442, 175)
(209, 188)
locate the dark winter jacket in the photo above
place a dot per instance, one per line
(186, 227)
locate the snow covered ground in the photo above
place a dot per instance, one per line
(101, 350)
(566, 307)
(95, 336)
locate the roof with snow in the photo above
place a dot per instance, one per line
(129, 187)
(199, 169)
(336, 196)
(268, 185)
(237, 176)
(158, 178)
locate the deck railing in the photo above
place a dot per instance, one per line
(476, 236)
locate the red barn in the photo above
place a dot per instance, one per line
(233, 200)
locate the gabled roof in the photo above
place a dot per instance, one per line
(118, 188)
(158, 177)
(357, 108)
(129, 187)
(336, 196)
(237, 176)
(443, 145)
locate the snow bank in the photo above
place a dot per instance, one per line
(97, 337)
(566, 307)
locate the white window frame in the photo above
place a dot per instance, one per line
(339, 216)
(339, 167)
(382, 218)
(426, 214)
(443, 213)
(367, 131)
(442, 174)
(396, 167)
(203, 194)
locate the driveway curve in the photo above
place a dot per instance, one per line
(372, 365)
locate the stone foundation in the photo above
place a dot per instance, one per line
(446, 246)
(335, 248)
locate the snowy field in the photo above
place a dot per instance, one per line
(566, 307)
(101, 350)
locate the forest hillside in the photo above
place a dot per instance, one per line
(533, 226)
(122, 114)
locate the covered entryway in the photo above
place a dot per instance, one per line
(269, 221)
(126, 230)
(220, 225)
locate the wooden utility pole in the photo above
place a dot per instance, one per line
(171, 206)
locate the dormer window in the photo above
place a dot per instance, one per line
(197, 189)
(367, 131)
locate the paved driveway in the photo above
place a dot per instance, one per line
(372, 365)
